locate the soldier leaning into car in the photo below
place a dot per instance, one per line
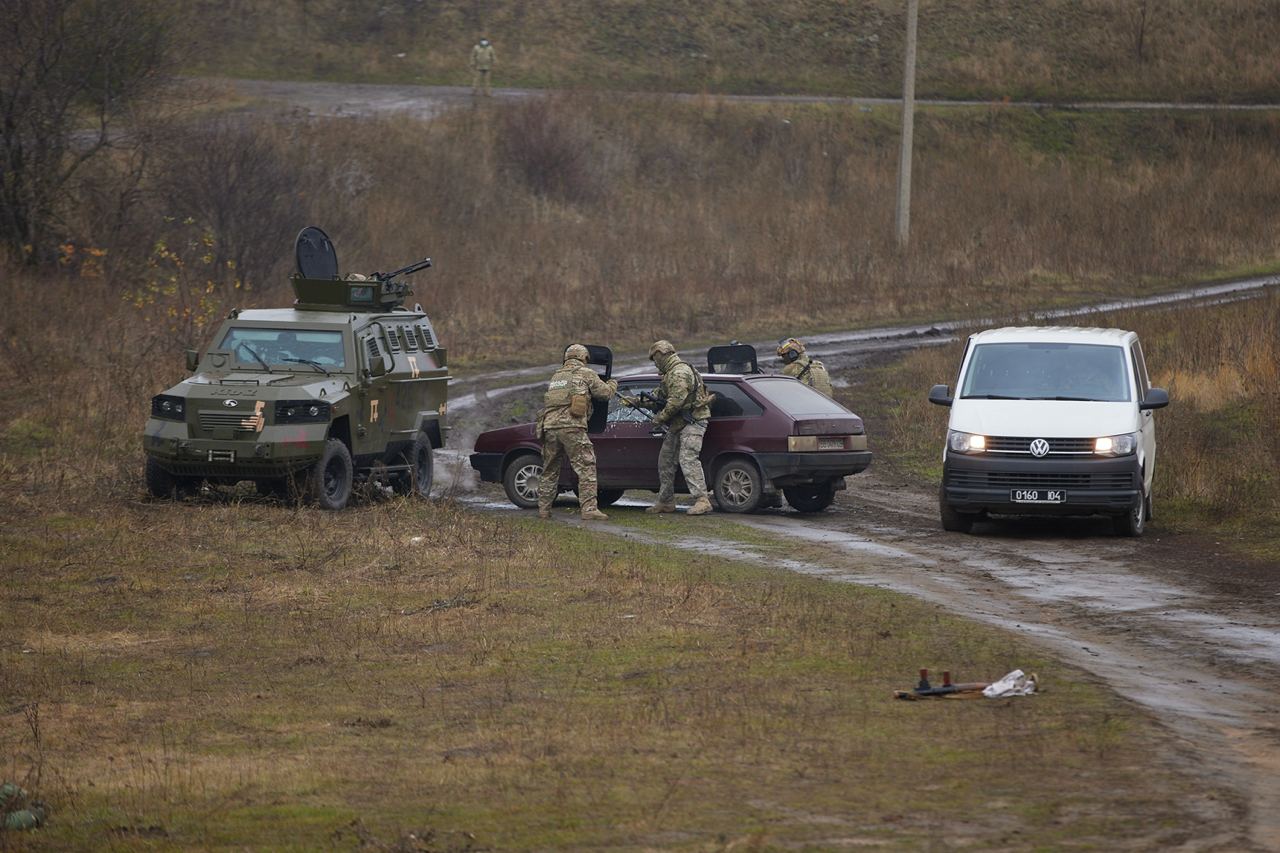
(562, 426)
(685, 413)
(798, 365)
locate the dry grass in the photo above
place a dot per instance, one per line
(1218, 453)
(229, 672)
(1063, 49)
(627, 221)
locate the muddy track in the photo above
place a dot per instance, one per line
(324, 98)
(1187, 632)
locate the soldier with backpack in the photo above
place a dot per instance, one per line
(686, 407)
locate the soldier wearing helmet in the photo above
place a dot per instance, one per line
(808, 370)
(685, 411)
(483, 58)
(562, 426)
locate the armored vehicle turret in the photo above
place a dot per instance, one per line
(345, 386)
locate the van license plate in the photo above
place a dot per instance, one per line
(1038, 496)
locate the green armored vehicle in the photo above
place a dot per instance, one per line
(347, 385)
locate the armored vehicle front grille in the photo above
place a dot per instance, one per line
(1057, 446)
(393, 340)
(410, 339)
(371, 344)
(1102, 480)
(228, 420)
(428, 339)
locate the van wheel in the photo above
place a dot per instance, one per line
(1133, 522)
(953, 521)
(329, 480)
(421, 474)
(521, 478)
(811, 498)
(738, 486)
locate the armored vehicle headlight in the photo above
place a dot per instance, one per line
(301, 412)
(168, 407)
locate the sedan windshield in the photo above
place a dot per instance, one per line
(1047, 371)
(254, 347)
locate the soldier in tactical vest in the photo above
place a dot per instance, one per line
(483, 58)
(686, 407)
(800, 366)
(562, 426)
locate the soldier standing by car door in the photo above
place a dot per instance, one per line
(798, 365)
(483, 58)
(685, 411)
(562, 426)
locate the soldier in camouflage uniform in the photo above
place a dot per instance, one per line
(685, 411)
(562, 426)
(800, 366)
(483, 58)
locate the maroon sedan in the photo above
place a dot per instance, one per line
(767, 434)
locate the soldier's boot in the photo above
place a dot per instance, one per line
(701, 506)
(661, 507)
(591, 512)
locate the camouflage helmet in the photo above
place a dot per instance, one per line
(661, 348)
(789, 349)
(577, 351)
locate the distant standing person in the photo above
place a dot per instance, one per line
(686, 407)
(483, 58)
(800, 366)
(562, 426)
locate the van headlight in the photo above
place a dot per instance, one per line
(1116, 445)
(966, 442)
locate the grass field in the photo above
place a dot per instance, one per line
(1044, 49)
(1217, 457)
(228, 672)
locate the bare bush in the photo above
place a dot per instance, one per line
(548, 142)
(70, 70)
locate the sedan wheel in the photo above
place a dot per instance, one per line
(738, 487)
(521, 479)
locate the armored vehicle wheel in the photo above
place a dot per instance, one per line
(418, 479)
(162, 484)
(608, 497)
(329, 480)
(738, 486)
(520, 480)
(811, 498)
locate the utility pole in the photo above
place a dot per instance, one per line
(908, 125)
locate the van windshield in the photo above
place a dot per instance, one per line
(259, 346)
(1047, 371)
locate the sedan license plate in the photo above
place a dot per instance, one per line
(1038, 496)
(831, 444)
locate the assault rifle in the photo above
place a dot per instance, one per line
(654, 401)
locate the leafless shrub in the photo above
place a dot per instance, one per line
(549, 144)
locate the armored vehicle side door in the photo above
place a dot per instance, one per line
(375, 414)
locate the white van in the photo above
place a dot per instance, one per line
(1050, 421)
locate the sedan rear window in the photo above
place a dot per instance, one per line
(796, 398)
(1047, 371)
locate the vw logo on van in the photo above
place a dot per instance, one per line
(1039, 448)
(231, 404)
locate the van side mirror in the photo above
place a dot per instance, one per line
(940, 395)
(193, 360)
(1157, 398)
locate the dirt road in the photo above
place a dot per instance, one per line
(322, 98)
(1169, 622)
